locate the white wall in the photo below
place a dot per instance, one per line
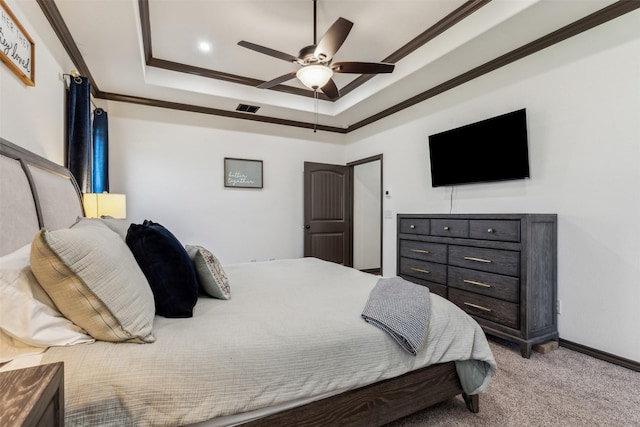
(33, 116)
(170, 165)
(583, 105)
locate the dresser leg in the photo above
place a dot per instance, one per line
(525, 350)
(472, 402)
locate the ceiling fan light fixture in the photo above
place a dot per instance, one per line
(314, 76)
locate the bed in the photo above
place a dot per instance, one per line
(289, 348)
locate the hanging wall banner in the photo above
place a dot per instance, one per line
(17, 49)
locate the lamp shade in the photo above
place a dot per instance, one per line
(99, 204)
(314, 76)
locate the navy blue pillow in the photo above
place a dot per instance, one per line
(167, 267)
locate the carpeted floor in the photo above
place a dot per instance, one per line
(560, 388)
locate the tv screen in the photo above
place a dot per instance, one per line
(490, 150)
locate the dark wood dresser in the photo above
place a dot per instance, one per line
(33, 396)
(499, 268)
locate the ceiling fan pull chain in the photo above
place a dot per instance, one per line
(315, 95)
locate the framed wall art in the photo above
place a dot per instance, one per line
(242, 173)
(17, 49)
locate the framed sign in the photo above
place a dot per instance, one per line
(17, 49)
(242, 173)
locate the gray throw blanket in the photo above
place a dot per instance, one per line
(401, 309)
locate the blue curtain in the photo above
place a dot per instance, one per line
(100, 151)
(79, 132)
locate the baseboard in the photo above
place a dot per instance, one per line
(598, 354)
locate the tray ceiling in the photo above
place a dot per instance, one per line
(148, 51)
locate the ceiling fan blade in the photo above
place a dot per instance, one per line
(331, 90)
(277, 81)
(362, 67)
(268, 51)
(333, 39)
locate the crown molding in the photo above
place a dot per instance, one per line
(599, 17)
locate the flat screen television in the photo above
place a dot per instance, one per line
(494, 149)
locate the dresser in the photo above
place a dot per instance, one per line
(499, 268)
(33, 396)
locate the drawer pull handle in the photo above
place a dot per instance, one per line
(479, 307)
(491, 230)
(445, 228)
(470, 258)
(420, 270)
(473, 282)
(412, 226)
(420, 251)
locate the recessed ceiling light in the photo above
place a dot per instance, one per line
(204, 46)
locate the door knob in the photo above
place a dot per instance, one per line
(306, 227)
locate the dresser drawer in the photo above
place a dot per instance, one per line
(450, 227)
(493, 285)
(502, 312)
(424, 270)
(414, 225)
(491, 260)
(425, 251)
(503, 230)
(434, 288)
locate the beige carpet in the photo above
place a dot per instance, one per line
(560, 388)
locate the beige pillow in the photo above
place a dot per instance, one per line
(120, 226)
(94, 280)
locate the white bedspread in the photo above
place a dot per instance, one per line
(291, 330)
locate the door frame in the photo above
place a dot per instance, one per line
(350, 168)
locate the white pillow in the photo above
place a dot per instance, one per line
(28, 315)
(11, 348)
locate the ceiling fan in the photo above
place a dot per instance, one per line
(316, 60)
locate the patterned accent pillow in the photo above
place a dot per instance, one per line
(93, 279)
(211, 277)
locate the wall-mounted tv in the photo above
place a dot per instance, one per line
(495, 149)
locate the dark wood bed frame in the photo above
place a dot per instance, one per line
(379, 403)
(372, 405)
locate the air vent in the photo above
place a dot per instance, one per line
(247, 108)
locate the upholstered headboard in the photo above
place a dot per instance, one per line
(34, 193)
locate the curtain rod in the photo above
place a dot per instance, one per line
(76, 77)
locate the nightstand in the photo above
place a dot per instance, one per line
(33, 396)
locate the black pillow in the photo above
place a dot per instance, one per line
(167, 267)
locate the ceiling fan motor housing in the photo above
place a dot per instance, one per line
(308, 56)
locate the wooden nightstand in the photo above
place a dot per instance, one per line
(32, 396)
